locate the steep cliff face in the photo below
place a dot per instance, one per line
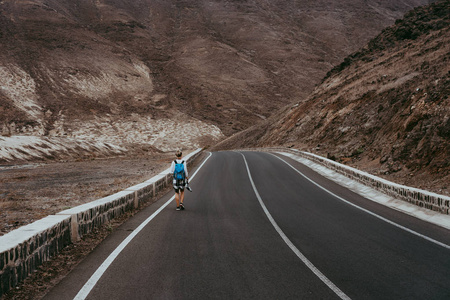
(119, 70)
(385, 109)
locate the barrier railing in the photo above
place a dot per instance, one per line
(421, 198)
(24, 249)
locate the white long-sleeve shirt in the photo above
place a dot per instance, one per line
(172, 167)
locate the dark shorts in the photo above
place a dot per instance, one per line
(178, 185)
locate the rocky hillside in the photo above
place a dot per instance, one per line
(384, 109)
(131, 72)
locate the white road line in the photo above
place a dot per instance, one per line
(367, 211)
(300, 255)
(86, 289)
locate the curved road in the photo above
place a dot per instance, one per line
(256, 228)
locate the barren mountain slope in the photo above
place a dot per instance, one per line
(385, 109)
(128, 72)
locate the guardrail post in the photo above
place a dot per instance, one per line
(74, 234)
(136, 199)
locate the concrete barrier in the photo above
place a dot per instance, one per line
(421, 198)
(24, 249)
(27, 247)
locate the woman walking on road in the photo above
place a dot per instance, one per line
(180, 177)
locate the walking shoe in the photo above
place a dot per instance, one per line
(181, 206)
(178, 208)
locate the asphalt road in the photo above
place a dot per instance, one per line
(255, 228)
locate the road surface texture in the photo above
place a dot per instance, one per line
(255, 228)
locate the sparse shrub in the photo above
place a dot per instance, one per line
(357, 152)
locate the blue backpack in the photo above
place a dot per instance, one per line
(179, 174)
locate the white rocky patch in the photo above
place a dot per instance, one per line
(121, 77)
(111, 136)
(32, 147)
(20, 87)
(163, 134)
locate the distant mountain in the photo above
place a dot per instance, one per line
(384, 109)
(131, 72)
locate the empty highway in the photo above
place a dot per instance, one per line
(262, 226)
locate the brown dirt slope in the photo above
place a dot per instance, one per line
(385, 109)
(228, 63)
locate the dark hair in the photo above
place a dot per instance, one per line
(179, 153)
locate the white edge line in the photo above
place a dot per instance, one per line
(89, 285)
(300, 255)
(367, 211)
(439, 219)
